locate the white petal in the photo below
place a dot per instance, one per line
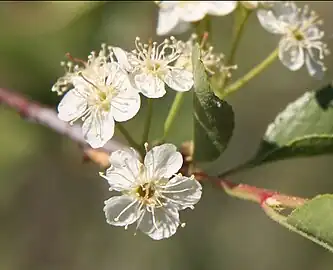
(98, 129)
(167, 20)
(313, 33)
(122, 58)
(183, 191)
(290, 54)
(163, 160)
(125, 105)
(181, 27)
(124, 169)
(121, 210)
(286, 12)
(315, 68)
(160, 223)
(179, 79)
(116, 76)
(151, 86)
(192, 11)
(128, 158)
(79, 82)
(220, 8)
(120, 80)
(268, 20)
(71, 106)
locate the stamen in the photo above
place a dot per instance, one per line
(70, 57)
(175, 184)
(115, 173)
(124, 210)
(84, 78)
(153, 216)
(86, 113)
(140, 217)
(176, 191)
(204, 39)
(146, 147)
(159, 203)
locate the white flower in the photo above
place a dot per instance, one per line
(256, 4)
(152, 193)
(65, 82)
(101, 94)
(213, 62)
(176, 16)
(150, 66)
(301, 40)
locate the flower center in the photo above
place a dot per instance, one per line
(104, 98)
(154, 58)
(146, 191)
(298, 35)
(153, 66)
(101, 95)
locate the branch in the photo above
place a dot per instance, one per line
(252, 193)
(35, 112)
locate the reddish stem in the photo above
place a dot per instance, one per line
(252, 193)
(77, 60)
(45, 116)
(204, 39)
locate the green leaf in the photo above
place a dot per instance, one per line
(314, 220)
(213, 118)
(304, 128)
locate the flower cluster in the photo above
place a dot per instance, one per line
(175, 16)
(102, 94)
(301, 39)
(104, 90)
(152, 192)
(106, 87)
(214, 63)
(152, 67)
(301, 42)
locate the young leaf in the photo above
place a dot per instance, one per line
(213, 118)
(304, 128)
(315, 219)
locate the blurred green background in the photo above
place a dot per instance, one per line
(51, 202)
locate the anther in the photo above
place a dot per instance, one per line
(146, 146)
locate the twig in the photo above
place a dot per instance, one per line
(252, 193)
(35, 112)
